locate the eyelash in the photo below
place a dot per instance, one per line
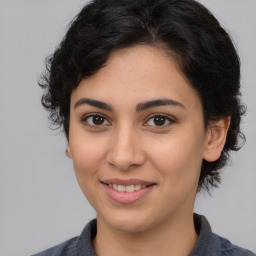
(86, 117)
(166, 118)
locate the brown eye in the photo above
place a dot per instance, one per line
(159, 120)
(98, 120)
(95, 120)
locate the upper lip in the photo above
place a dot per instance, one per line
(127, 182)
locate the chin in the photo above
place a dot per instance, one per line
(128, 223)
(131, 221)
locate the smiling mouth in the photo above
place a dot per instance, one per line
(127, 191)
(128, 188)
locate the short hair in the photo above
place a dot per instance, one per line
(203, 51)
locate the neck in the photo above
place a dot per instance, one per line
(177, 237)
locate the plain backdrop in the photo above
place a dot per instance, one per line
(41, 204)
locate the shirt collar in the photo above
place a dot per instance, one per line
(203, 228)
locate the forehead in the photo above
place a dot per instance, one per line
(137, 74)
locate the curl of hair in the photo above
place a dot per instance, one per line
(203, 49)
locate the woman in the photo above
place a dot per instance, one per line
(148, 95)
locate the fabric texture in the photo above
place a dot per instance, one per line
(208, 244)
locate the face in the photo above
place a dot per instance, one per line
(137, 140)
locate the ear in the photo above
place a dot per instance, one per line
(68, 152)
(216, 138)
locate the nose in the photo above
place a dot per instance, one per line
(125, 149)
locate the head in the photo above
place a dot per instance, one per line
(183, 29)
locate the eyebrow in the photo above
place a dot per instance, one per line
(139, 108)
(157, 103)
(94, 103)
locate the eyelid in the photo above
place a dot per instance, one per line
(171, 120)
(85, 117)
(167, 117)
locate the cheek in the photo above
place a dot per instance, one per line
(87, 155)
(178, 159)
(87, 159)
(87, 150)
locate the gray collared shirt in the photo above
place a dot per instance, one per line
(208, 244)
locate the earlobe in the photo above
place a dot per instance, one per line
(216, 139)
(68, 152)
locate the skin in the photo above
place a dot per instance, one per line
(128, 144)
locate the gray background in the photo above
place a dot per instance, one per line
(40, 202)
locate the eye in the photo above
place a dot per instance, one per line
(159, 121)
(95, 120)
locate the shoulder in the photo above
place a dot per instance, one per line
(211, 244)
(67, 248)
(81, 245)
(225, 248)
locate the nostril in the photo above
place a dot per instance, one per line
(125, 161)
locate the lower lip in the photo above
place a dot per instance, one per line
(126, 197)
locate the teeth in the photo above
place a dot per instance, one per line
(129, 188)
(121, 188)
(137, 187)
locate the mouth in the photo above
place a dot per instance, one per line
(127, 191)
(128, 188)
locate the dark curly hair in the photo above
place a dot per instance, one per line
(203, 49)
